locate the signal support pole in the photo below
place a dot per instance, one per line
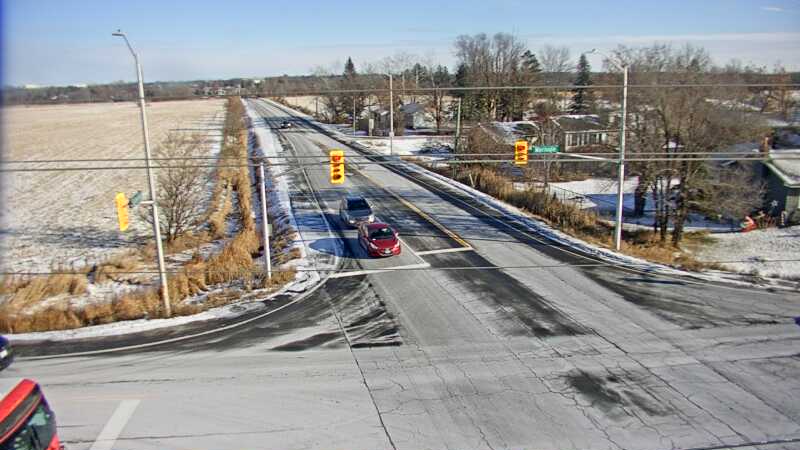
(162, 274)
(265, 221)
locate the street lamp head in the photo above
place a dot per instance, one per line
(118, 33)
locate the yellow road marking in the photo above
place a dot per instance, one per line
(422, 213)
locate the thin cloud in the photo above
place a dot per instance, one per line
(773, 8)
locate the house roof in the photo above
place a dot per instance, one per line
(580, 122)
(412, 108)
(788, 170)
(509, 132)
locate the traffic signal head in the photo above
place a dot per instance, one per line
(521, 152)
(337, 166)
(122, 210)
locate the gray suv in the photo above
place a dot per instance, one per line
(354, 210)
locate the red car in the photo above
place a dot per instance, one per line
(378, 239)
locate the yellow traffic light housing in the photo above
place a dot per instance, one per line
(521, 153)
(337, 166)
(122, 211)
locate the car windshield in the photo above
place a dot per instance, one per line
(357, 204)
(381, 233)
(35, 434)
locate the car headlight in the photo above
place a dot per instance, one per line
(371, 218)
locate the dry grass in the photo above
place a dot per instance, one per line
(22, 292)
(116, 268)
(583, 224)
(187, 241)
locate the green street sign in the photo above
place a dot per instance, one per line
(135, 199)
(544, 149)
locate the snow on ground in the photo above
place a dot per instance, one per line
(279, 197)
(602, 187)
(279, 202)
(51, 219)
(410, 145)
(755, 249)
(600, 194)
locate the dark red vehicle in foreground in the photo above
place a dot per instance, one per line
(26, 420)
(378, 239)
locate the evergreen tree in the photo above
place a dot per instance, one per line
(530, 63)
(582, 99)
(350, 81)
(349, 69)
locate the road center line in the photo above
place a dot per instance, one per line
(106, 439)
(421, 213)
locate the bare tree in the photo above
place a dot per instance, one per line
(680, 125)
(494, 61)
(181, 186)
(555, 59)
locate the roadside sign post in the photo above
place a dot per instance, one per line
(265, 222)
(545, 150)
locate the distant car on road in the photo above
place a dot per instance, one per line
(6, 355)
(286, 124)
(354, 210)
(378, 239)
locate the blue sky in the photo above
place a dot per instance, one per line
(50, 42)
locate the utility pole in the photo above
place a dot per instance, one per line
(458, 126)
(265, 221)
(354, 115)
(621, 161)
(162, 273)
(618, 229)
(391, 117)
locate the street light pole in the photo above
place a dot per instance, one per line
(162, 274)
(621, 161)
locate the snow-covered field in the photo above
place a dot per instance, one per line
(60, 218)
(756, 249)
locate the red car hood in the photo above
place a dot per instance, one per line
(384, 243)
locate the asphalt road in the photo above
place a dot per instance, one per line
(435, 356)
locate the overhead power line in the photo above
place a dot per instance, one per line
(532, 159)
(350, 158)
(532, 87)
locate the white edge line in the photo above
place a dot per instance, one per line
(113, 428)
(446, 250)
(372, 271)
